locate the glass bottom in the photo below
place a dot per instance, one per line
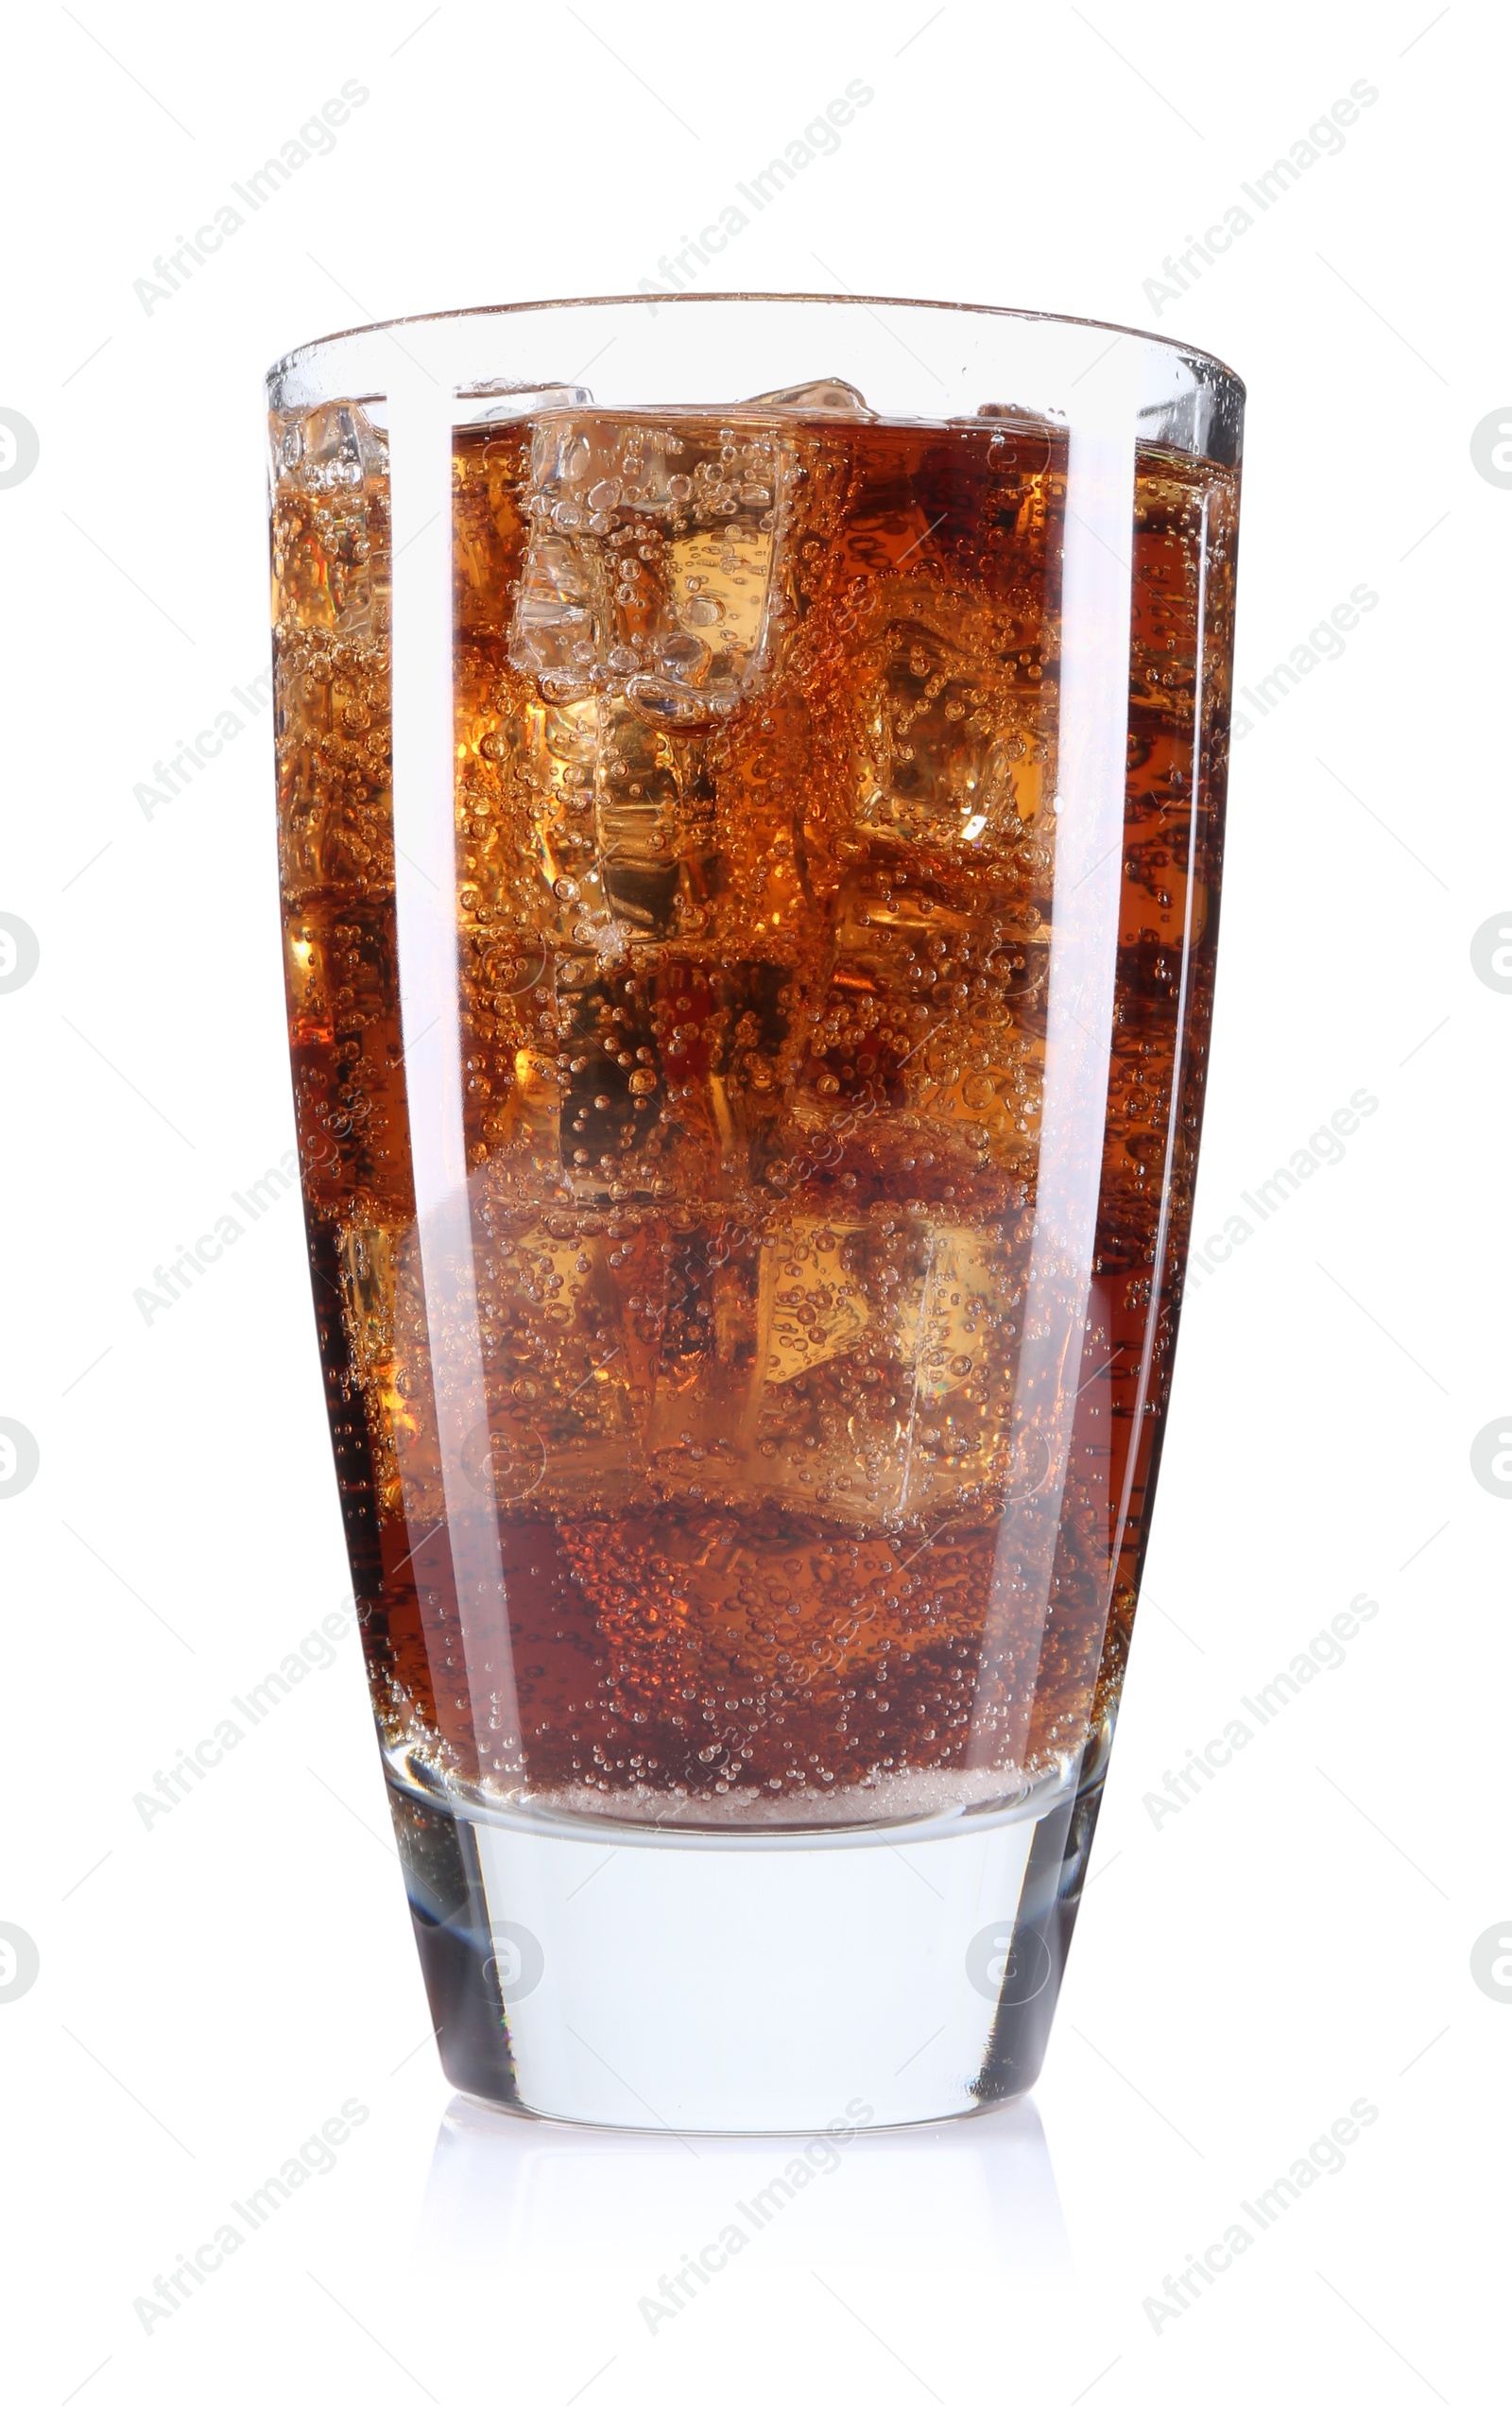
(718, 1983)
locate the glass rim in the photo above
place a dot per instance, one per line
(303, 353)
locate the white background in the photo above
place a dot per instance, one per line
(1297, 1937)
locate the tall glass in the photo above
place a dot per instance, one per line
(751, 789)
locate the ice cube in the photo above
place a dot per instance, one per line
(861, 1368)
(646, 613)
(331, 520)
(881, 1382)
(548, 1336)
(949, 744)
(821, 398)
(525, 402)
(648, 571)
(918, 1047)
(812, 1308)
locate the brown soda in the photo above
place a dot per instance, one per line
(756, 740)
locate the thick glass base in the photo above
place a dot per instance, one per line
(589, 1971)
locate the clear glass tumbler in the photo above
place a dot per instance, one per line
(750, 785)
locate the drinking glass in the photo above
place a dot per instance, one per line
(750, 779)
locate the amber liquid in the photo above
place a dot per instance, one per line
(757, 733)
